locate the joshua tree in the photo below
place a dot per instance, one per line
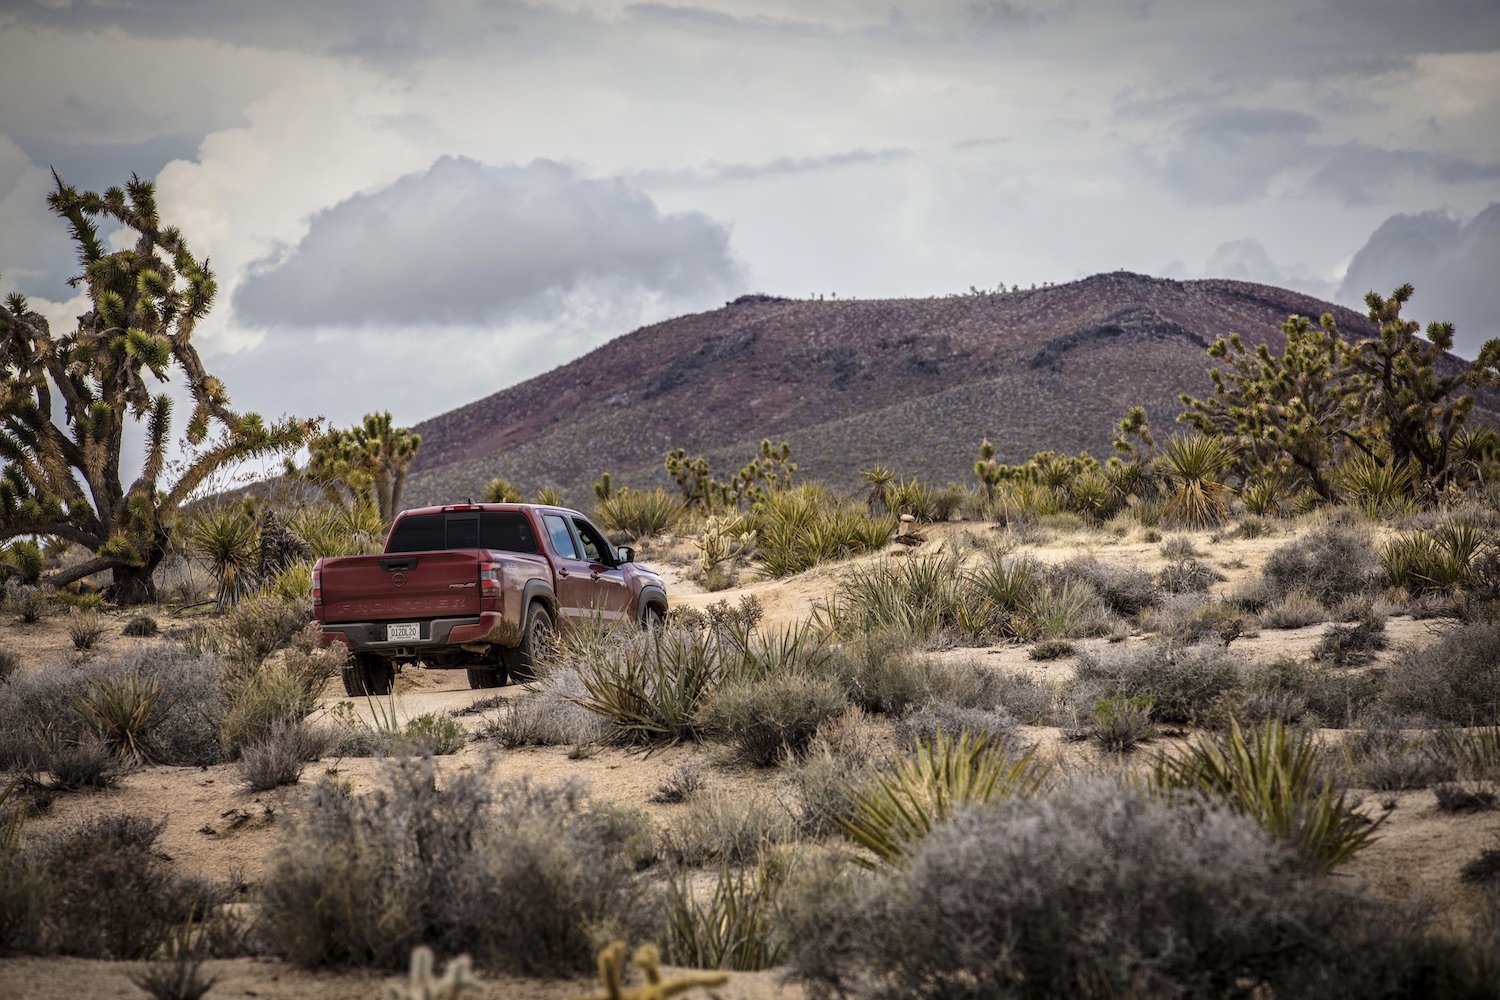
(62, 474)
(372, 457)
(1419, 416)
(1287, 415)
(501, 490)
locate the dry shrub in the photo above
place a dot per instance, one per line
(1334, 699)
(1454, 680)
(773, 718)
(1329, 563)
(141, 626)
(685, 781)
(1182, 684)
(110, 893)
(281, 690)
(1188, 576)
(85, 629)
(530, 879)
(1127, 590)
(45, 717)
(926, 723)
(1351, 645)
(258, 626)
(1051, 649)
(1094, 891)
(278, 757)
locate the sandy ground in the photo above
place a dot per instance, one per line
(216, 827)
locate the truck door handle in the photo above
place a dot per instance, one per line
(562, 572)
(594, 574)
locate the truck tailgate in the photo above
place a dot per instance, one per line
(392, 587)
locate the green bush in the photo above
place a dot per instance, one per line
(807, 525)
(433, 734)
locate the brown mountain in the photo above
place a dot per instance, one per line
(911, 383)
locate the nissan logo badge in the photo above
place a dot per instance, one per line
(399, 579)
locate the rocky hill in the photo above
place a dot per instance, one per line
(911, 383)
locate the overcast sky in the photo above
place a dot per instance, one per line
(412, 204)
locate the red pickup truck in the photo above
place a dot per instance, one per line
(477, 586)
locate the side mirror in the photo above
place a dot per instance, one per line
(626, 554)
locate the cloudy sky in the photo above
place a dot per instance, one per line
(412, 203)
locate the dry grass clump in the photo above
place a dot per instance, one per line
(1093, 891)
(141, 626)
(735, 925)
(1188, 576)
(726, 827)
(1295, 609)
(85, 629)
(550, 716)
(685, 781)
(1454, 680)
(1352, 645)
(1182, 684)
(257, 627)
(1051, 649)
(926, 596)
(527, 878)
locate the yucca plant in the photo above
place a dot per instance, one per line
(640, 513)
(914, 596)
(1091, 495)
(1000, 589)
(1432, 561)
(650, 689)
(910, 496)
(897, 809)
(124, 712)
(24, 559)
(1378, 488)
(1261, 497)
(877, 480)
(1273, 776)
(1193, 464)
(736, 927)
(501, 490)
(1059, 611)
(224, 536)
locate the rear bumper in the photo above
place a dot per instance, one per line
(488, 627)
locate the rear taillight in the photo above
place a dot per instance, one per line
(317, 586)
(489, 579)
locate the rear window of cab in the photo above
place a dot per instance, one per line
(505, 531)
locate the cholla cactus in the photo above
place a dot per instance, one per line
(425, 984)
(724, 538)
(648, 959)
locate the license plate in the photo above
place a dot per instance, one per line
(406, 630)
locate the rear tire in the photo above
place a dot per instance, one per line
(369, 675)
(486, 677)
(534, 641)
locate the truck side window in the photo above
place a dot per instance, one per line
(418, 533)
(595, 548)
(506, 531)
(463, 533)
(562, 538)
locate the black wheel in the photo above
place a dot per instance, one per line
(524, 658)
(369, 675)
(486, 677)
(654, 618)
